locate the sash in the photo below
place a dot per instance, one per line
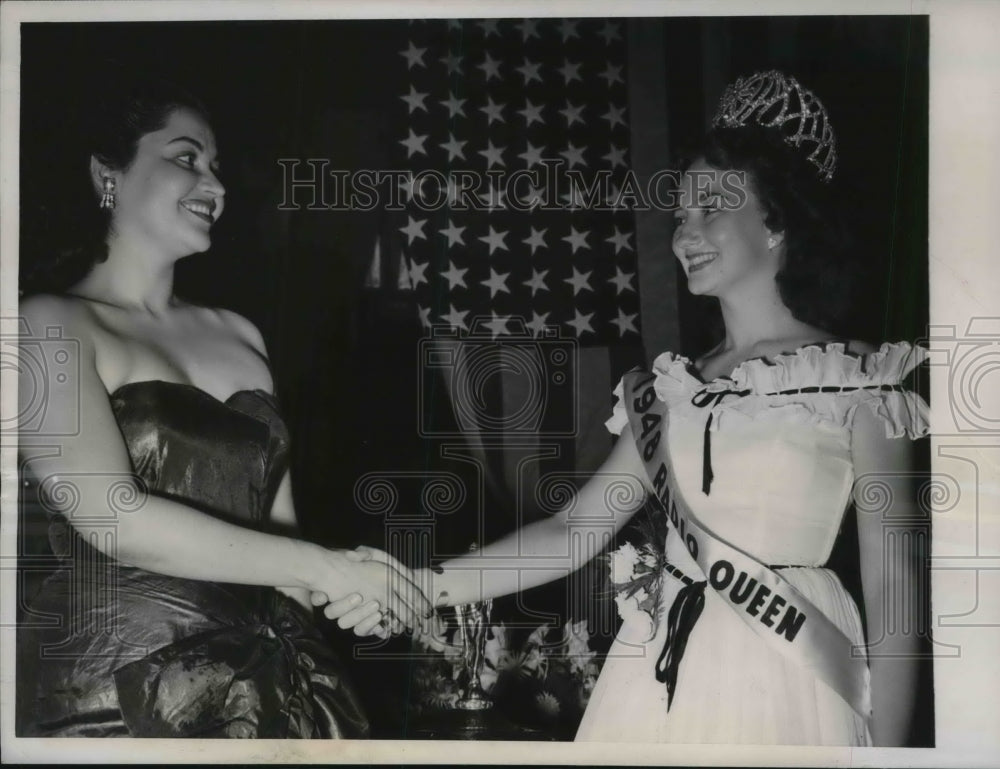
(778, 613)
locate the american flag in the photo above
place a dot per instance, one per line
(489, 99)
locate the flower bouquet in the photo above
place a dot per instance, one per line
(636, 573)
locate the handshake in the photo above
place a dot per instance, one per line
(377, 595)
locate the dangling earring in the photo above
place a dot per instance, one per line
(771, 242)
(108, 199)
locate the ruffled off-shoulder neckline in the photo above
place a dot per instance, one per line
(824, 364)
(816, 383)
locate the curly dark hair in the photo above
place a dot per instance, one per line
(816, 279)
(63, 230)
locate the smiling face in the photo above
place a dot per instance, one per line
(170, 195)
(722, 246)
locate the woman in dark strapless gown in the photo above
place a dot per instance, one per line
(159, 656)
(180, 608)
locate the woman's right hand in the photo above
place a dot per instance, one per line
(361, 589)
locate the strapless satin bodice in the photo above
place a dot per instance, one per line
(227, 457)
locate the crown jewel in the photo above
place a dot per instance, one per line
(774, 100)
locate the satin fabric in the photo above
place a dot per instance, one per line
(131, 652)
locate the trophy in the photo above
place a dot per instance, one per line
(473, 624)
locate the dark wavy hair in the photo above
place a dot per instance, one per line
(816, 279)
(63, 229)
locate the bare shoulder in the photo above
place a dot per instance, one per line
(242, 327)
(47, 315)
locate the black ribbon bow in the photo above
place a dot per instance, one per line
(681, 619)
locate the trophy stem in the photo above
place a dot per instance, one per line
(473, 624)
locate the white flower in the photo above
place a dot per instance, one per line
(496, 647)
(548, 704)
(629, 611)
(537, 637)
(577, 640)
(623, 561)
(534, 662)
(488, 678)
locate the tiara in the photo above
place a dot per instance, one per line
(774, 100)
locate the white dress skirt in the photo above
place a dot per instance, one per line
(782, 478)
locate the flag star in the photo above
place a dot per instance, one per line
(580, 281)
(536, 240)
(612, 74)
(531, 112)
(498, 324)
(454, 276)
(425, 316)
(414, 56)
(537, 281)
(613, 199)
(494, 198)
(577, 239)
(570, 71)
(567, 28)
(453, 105)
(620, 239)
(454, 318)
(454, 234)
(536, 197)
(529, 29)
(581, 323)
(489, 27)
(537, 323)
(529, 71)
(495, 239)
(610, 32)
(572, 114)
(532, 155)
(414, 144)
(624, 322)
(416, 271)
(411, 187)
(490, 67)
(415, 100)
(493, 155)
(493, 111)
(452, 62)
(573, 155)
(454, 147)
(616, 157)
(497, 283)
(614, 116)
(414, 229)
(574, 199)
(622, 281)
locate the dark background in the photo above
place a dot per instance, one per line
(344, 357)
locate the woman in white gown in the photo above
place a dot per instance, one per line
(767, 437)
